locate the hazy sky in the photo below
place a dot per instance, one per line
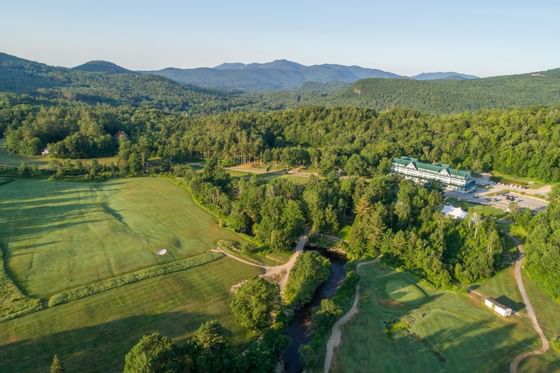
(483, 37)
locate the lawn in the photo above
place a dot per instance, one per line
(482, 210)
(93, 334)
(404, 325)
(548, 313)
(516, 180)
(8, 159)
(60, 235)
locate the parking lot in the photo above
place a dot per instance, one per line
(502, 195)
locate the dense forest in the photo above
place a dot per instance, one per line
(543, 247)
(435, 96)
(387, 216)
(360, 142)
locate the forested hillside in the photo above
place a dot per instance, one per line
(96, 83)
(434, 96)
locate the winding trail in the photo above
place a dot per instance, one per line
(336, 334)
(279, 273)
(530, 312)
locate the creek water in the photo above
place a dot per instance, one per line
(299, 329)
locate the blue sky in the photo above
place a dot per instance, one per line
(486, 38)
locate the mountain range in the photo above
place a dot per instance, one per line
(283, 74)
(99, 82)
(275, 85)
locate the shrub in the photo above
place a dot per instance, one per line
(255, 303)
(152, 354)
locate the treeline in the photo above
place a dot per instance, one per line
(354, 141)
(543, 247)
(209, 350)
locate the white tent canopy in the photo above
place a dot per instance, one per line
(454, 212)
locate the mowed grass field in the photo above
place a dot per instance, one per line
(548, 313)
(58, 235)
(404, 326)
(8, 159)
(94, 334)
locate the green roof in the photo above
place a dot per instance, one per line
(432, 167)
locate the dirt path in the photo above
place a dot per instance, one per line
(336, 334)
(530, 312)
(278, 273)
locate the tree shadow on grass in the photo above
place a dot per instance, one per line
(508, 302)
(98, 348)
(462, 343)
(479, 346)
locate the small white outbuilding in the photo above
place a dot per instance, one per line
(500, 309)
(454, 212)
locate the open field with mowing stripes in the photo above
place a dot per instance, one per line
(93, 334)
(97, 243)
(404, 325)
(60, 235)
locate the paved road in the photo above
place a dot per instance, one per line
(530, 312)
(336, 334)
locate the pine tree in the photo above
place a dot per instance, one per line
(56, 365)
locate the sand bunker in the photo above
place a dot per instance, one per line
(162, 252)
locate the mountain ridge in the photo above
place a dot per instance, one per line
(269, 76)
(102, 82)
(100, 66)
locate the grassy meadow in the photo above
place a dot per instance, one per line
(8, 159)
(59, 235)
(404, 325)
(93, 334)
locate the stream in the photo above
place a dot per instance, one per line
(299, 329)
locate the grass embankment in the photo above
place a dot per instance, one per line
(5, 180)
(93, 334)
(13, 303)
(404, 325)
(548, 314)
(62, 235)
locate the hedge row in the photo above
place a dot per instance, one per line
(104, 285)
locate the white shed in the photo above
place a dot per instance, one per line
(500, 309)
